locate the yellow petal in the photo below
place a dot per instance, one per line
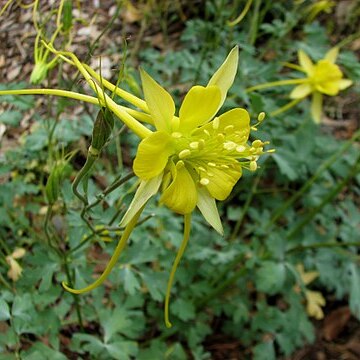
(238, 119)
(199, 106)
(222, 181)
(305, 62)
(145, 191)
(152, 155)
(332, 54)
(330, 88)
(181, 195)
(316, 107)
(15, 270)
(344, 83)
(306, 277)
(207, 206)
(301, 91)
(225, 75)
(314, 302)
(18, 253)
(159, 102)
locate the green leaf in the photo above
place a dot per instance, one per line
(264, 351)
(354, 298)
(4, 310)
(285, 166)
(131, 283)
(11, 117)
(113, 322)
(39, 351)
(270, 277)
(185, 310)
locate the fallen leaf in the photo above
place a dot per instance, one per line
(335, 322)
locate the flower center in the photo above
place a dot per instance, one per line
(213, 147)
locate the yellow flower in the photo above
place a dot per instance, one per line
(15, 270)
(324, 77)
(196, 157)
(314, 299)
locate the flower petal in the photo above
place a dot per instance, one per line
(344, 83)
(152, 155)
(301, 91)
(225, 75)
(316, 107)
(159, 101)
(223, 180)
(305, 62)
(207, 206)
(181, 195)
(199, 106)
(145, 191)
(332, 54)
(239, 118)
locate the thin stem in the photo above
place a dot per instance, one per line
(120, 246)
(187, 228)
(117, 183)
(322, 245)
(56, 92)
(245, 207)
(254, 23)
(324, 166)
(331, 195)
(242, 14)
(90, 160)
(286, 107)
(276, 83)
(218, 290)
(76, 299)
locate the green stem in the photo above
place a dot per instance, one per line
(245, 207)
(180, 253)
(324, 166)
(218, 290)
(254, 25)
(277, 83)
(76, 299)
(322, 245)
(90, 160)
(330, 196)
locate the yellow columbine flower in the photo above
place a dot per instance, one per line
(196, 157)
(324, 77)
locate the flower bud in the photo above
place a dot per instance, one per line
(39, 73)
(103, 126)
(52, 187)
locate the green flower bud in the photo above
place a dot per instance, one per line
(52, 187)
(103, 126)
(39, 73)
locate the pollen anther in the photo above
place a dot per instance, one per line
(184, 153)
(204, 181)
(194, 145)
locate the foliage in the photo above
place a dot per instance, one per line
(301, 207)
